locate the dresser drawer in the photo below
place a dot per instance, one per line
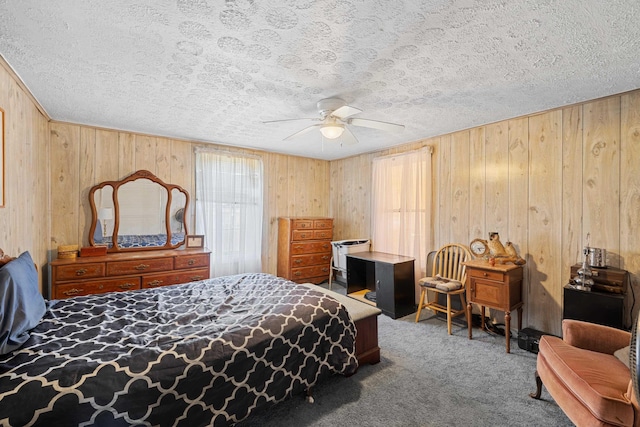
(312, 234)
(121, 268)
(68, 290)
(192, 261)
(156, 280)
(306, 260)
(298, 274)
(485, 274)
(79, 271)
(323, 224)
(310, 248)
(322, 234)
(302, 224)
(303, 235)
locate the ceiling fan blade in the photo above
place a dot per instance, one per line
(347, 137)
(376, 124)
(289, 120)
(345, 111)
(303, 131)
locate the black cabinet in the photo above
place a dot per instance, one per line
(593, 306)
(390, 276)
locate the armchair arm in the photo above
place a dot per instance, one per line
(591, 336)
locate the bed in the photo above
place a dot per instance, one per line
(204, 353)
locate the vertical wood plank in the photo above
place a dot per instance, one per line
(106, 146)
(545, 222)
(145, 153)
(163, 156)
(460, 166)
(477, 184)
(86, 180)
(630, 196)
(126, 155)
(518, 182)
(601, 208)
(497, 173)
(443, 179)
(65, 141)
(573, 238)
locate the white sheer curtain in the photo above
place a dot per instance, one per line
(401, 200)
(229, 210)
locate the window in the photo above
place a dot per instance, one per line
(401, 200)
(229, 210)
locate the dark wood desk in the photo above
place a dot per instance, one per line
(390, 276)
(498, 287)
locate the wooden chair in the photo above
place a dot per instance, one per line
(448, 277)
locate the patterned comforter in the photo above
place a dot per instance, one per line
(203, 353)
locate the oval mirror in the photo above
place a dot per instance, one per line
(141, 212)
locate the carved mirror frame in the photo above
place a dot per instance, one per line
(141, 174)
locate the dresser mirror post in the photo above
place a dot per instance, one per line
(140, 212)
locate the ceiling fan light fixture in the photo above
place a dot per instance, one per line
(332, 130)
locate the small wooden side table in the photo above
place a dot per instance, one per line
(498, 287)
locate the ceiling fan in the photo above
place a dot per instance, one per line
(335, 116)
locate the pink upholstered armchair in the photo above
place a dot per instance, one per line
(591, 385)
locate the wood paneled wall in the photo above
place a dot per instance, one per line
(83, 156)
(543, 182)
(24, 219)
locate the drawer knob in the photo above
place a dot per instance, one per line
(141, 267)
(155, 282)
(81, 272)
(325, 258)
(72, 292)
(298, 261)
(297, 273)
(325, 269)
(194, 278)
(191, 261)
(126, 286)
(485, 274)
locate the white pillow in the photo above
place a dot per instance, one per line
(623, 355)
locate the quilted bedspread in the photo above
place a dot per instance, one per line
(203, 353)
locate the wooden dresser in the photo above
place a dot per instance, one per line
(304, 248)
(126, 271)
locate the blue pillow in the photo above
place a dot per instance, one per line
(21, 304)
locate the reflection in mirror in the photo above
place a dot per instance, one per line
(103, 199)
(143, 205)
(176, 214)
(138, 213)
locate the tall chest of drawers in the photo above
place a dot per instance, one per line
(127, 271)
(304, 248)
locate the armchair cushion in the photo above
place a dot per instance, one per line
(598, 381)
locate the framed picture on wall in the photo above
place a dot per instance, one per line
(2, 174)
(195, 241)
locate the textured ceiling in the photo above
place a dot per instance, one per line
(214, 70)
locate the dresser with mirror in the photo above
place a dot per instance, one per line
(141, 221)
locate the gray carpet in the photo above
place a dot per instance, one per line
(427, 378)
